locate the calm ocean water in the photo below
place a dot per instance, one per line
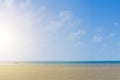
(74, 62)
(62, 62)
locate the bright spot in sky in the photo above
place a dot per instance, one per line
(5, 39)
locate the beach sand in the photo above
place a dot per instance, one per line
(58, 72)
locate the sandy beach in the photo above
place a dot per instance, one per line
(58, 72)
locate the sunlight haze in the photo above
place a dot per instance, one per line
(65, 30)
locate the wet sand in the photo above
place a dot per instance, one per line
(58, 72)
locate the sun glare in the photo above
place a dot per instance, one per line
(7, 43)
(6, 39)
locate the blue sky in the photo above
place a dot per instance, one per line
(60, 30)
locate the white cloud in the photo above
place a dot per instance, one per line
(33, 28)
(78, 34)
(112, 34)
(97, 38)
(116, 24)
(80, 44)
(99, 30)
(57, 22)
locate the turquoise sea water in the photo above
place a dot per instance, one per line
(62, 62)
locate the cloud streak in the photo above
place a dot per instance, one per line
(97, 38)
(77, 34)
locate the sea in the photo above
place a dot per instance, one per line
(64, 62)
